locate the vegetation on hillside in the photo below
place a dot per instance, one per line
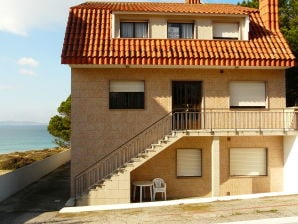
(15, 160)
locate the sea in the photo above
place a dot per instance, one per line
(20, 138)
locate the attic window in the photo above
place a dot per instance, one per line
(180, 30)
(133, 29)
(226, 31)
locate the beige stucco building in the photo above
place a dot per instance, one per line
(188, 92)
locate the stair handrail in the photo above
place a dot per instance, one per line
(81, 185)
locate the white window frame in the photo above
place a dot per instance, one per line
(248, 162)
(189, 162)
(226, 30)
(248, 94)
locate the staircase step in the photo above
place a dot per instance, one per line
(143, 155)
(156, 145)
(129, 164)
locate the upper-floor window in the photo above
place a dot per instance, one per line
(134, 29)
(127, 94)
(181, 30)
(226, 31)
(247, 94)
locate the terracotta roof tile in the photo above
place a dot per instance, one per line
(87, 39)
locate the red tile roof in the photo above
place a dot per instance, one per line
(88, 39)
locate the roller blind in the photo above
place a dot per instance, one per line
(226, 30)
(126, 86)
(189, 162)
(247, 94)
(248, 161)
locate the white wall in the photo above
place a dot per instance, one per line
(290, 164)
(15, 181)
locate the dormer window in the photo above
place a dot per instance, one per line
(134, 29)
(226, 31)
(180, 30)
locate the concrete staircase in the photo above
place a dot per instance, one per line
(116, 189)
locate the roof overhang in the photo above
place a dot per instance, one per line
(178, 67)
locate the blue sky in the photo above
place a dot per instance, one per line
(33, 83)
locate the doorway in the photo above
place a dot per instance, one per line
(186, 104)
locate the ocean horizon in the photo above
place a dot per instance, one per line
(24, 136)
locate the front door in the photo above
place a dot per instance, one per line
(186, 104)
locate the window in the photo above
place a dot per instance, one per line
(189, 162)
(226, 31)
(248, 161)
(134, 29)
(180, 30)
(247, 94)
(126, 94)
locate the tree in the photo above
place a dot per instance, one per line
(59, 125)
(288, 22)
(249, 3)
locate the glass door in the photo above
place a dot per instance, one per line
(186, 104)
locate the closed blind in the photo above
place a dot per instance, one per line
(189, 162)
(226, 30)
(247, 94)
(126, 86)
(248, 161)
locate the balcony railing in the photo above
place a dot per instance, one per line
(214, 119)
(206, 120)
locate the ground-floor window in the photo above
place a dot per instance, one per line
(248, 161)
(189, 162)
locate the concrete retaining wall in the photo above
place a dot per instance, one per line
(15, 181)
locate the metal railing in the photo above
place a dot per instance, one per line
(210, 120)
(215, 119)
(122, 155)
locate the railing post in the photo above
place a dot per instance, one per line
(211, 120)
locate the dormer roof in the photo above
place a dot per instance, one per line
(88, 39)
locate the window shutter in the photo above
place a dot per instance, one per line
(126, 86)
(247, 94)
(226, 30)
(248, 161)
(189, 162)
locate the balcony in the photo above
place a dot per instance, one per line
(237, 122)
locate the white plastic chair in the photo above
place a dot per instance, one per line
(159, 186)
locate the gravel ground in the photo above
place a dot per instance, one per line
(40, 203)
(214, 212)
